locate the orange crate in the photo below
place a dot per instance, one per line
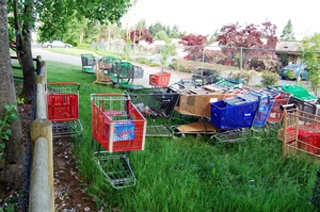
(160, 79)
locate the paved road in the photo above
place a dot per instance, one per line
(175, 75)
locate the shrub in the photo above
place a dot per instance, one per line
(269, 79)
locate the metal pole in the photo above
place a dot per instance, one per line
(240, 63)
(298, 78)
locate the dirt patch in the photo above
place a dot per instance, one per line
(68, 186)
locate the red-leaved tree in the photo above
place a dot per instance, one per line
(257, 54)
(194, 45)
(138, 35)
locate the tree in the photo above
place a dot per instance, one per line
(248, 39)
(311, 48)
(137, 35)
(55, 16)
(14, 149)
(194, 45)
(287, 33)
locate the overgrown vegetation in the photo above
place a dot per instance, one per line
(11, 114)
(189, 174)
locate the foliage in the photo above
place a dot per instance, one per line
(248, 40)
(311, 47)
(9, 116)
(269, 79)
(168, 50)
(138, 35)
(287, 33)
(157, 27)
(194, 45)
(162, 35)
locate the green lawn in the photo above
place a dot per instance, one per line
(194, 174)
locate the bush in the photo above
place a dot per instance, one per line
(269, 79)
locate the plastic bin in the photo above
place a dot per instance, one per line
(238, 112)
(161, 79)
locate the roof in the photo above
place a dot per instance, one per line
(288, 46)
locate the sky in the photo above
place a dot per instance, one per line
(204, 17)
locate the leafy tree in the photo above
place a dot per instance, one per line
(175, 32)
(249, 40)
(287, 33)
(162, 35)
(137, 35)
(194, 45)
(14, 149)
(155, 28)
(55, 17)
(311, 47)
(141, 25)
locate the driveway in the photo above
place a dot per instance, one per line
(175, 75)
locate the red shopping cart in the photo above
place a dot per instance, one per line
(63, 108)
(300, 132)
(119, 127)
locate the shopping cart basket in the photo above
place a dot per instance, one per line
(280, 98)
(119, 128)
(156, 105)
(125, 74)
(235, 112)
(315, 197)
(196, 102)
(161, 79)
(88, 62)
(300, 132)
(63, 108)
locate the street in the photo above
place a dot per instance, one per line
(175, 75)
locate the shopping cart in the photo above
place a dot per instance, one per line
(193, 108)
(88, 62)
(156, 105)
(125, 74)
(300, 132)
(63, 108)
(118, 127)
(280, 98)
(160, 79)
(315, 197)
(204, 76)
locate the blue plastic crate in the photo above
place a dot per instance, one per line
(238, 113)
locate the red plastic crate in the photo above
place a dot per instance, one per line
(160, 79)
(62, 107)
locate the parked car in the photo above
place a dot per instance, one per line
(56, 44)
(292, 72)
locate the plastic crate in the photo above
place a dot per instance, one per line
(235, 114)
(62, 107)
(116, 123)
(161, 79)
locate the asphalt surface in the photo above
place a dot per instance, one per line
(174, 78)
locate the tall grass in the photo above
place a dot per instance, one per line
(194, 174)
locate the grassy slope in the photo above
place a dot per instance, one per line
(190, 174)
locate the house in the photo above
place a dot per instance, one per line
(288, 52)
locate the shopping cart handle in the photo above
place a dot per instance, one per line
(288, 106)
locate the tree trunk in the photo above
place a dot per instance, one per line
(14, 149)
(23, 46)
